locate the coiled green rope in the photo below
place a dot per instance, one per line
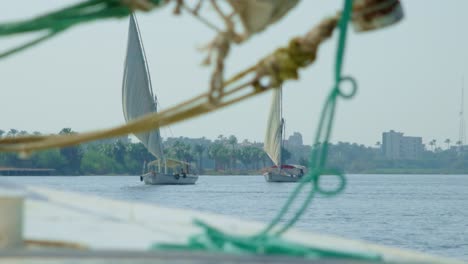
(56, 22)
(268, 241)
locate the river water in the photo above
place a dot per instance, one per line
(428, 213)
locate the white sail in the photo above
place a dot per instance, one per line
(137, 94)
(274, 134)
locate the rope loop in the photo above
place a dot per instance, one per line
(347, 94)
(318, 187)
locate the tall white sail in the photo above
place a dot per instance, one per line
(137, 95)
(274, 133)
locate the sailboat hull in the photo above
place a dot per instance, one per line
(163, 179)
(276, 177)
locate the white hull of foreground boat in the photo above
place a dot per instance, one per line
(161, 179)
(276, 177)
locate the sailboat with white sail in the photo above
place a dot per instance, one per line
(273, 145)
(138, 100)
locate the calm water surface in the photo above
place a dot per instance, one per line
(428, 213)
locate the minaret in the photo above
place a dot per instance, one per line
(461, 129)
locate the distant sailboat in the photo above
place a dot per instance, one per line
(274, 143)
(137, 101)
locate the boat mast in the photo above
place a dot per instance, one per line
(281, 128)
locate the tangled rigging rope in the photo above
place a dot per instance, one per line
(269, 73)
(281, 65)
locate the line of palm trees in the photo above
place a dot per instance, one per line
(15, 132)
(433, 144)
(226, 153)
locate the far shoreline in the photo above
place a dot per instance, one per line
(255, 174)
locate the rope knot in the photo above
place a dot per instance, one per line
(284, 63)
(279, 66)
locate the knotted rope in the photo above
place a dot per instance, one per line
(281, 65)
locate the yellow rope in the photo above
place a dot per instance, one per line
(280, 66)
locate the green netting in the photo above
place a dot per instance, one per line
(56, 22)
(269, 240)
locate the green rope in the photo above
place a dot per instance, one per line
(319, 153)
(58, 21)
(216, 241)
(268, 241)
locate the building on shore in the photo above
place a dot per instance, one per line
(294, 140)
(397, 146)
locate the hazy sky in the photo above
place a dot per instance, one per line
(409, 74)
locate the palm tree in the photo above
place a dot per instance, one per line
(459, 144)
(12, 132)
(246, 154)
(118, 152)
(447, 141)
(181, 151)
(258, 155)
(220, 154)
(199, 149)
(222, 138)
(73, 154)
(233, 142)
(66, 130)
(432, 143)
(138, 153)
(379, 147)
